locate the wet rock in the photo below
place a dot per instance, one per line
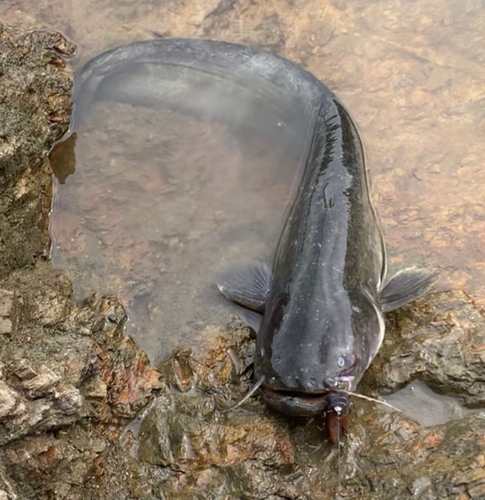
(440, 340)
(62, 362)
(191, 436)
(36, 97)
(34, 109)
(77, 463)
(66, 371)
(8, 400)
(6, 301)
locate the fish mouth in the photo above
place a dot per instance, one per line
(296, 404)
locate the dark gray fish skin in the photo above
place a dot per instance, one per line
(323, 303)
(323, 322)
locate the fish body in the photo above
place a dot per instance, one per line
(323, 301)
(323, 322)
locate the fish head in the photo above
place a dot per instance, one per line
(314, 354)
(346, 354)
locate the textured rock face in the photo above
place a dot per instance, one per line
(62, 362)
(441, 342)
(35, 105)
(66, 372)
(34, 112)
(70, 380)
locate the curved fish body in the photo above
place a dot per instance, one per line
(323, 321)
(323, 302)
(237, 85)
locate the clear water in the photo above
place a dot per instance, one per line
(411, 73)
(419, 402)
(173, 203)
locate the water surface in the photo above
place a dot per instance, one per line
(175, 201)
(412, 75)
(419, 402)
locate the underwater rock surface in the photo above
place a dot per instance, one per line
(70, 380)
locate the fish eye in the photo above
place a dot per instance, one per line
(347, 364)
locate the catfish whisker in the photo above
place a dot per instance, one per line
(251, 391)
(368, 398)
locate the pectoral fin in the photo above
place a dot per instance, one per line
(247, 285)
(405, 286)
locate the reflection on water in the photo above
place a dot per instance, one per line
(412, 75)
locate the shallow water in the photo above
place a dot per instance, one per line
(419, 402)
(412, 75)
(174, 202)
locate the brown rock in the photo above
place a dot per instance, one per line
(35, 108)
(440, 340)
